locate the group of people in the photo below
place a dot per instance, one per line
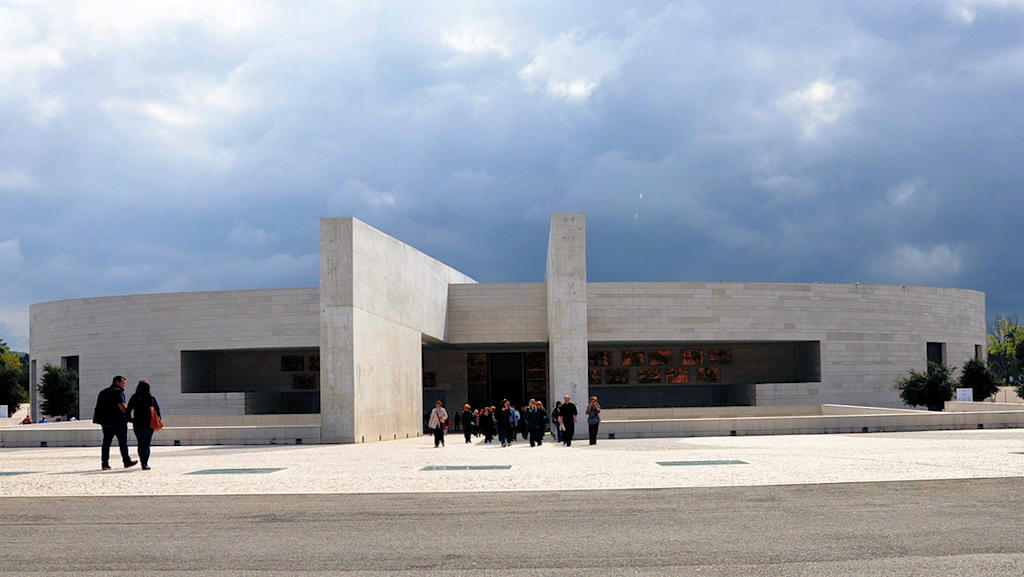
(113, 413)
(507, 422)
(28, 420)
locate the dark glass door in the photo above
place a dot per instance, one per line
(507, 378)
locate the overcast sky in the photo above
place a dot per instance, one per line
(178, 146)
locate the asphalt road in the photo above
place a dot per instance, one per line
(964, 528)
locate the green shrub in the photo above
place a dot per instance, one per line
(930, 389)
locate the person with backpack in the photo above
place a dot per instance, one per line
(110, 414)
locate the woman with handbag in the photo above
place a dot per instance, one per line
(438, 423)
(144, 413)
(593, 419)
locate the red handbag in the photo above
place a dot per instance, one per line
(155, 422)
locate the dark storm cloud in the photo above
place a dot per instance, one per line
(192, 146)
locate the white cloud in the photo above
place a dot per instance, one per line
(14, 324)
(16, 180)
(910, 264)
(570, 67)
(245, 235)
(901, 194)
(820, 103)
(354, 193)
(10, 255)
(479, 39)
(966, 11)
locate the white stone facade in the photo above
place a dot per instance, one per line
(386, 314)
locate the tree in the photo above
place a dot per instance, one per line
(12, 371)
(977, 376)
(930, 389)
(1006, 349)
(59, 391)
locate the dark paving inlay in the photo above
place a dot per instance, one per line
(699, 463)
(465, 467)
(14, 473)
(234, 471)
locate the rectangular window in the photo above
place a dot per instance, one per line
(936, 353)
(70, 363)
(979, 353)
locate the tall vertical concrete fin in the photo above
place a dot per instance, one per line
(566, 278)
(379, 297)
(337, 354)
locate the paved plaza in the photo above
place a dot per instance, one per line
(415, 466)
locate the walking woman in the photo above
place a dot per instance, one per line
(593, 419)
(467, 422)
(504, 418)
(140, 415)
(487, 424)
(438, 423)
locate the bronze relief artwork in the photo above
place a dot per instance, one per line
(306, 381)
(600, 358)
(595, 376)
(720, 356)
(677, 376)
(660, 357)
(616, 376)
(634, 358)
(292, 362)
(693, 356)
(647, 376)
(709, 374)
(314, 362)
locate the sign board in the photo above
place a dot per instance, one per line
(3, 412)
(965, 395)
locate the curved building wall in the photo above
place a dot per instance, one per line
(869, 335)
(143, 336)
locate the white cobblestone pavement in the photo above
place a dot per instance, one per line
(400, 466)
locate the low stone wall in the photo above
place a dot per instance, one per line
(707, 412)
(1006, 395)
(617, 423)
(828, 420)
(79, 434)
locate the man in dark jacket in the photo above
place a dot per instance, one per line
(534, 424)
(567, 416)
(109, 414)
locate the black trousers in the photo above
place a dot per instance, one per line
(109, 432)
(536, 437)
(570, 430)
(144, 436)
(438, 436)
(593, 433)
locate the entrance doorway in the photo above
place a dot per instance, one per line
(516, 376)
(507, 379)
